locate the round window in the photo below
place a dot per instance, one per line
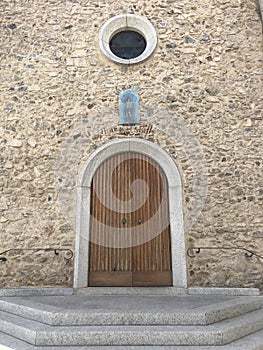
(127, 39)
(127, 44)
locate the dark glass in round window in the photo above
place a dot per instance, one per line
(127, 44)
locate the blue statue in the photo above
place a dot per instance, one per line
(129, 107)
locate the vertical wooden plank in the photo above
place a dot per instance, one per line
(159, 238)
(147, 251)
(107, 190)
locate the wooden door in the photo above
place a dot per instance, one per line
(129, 233)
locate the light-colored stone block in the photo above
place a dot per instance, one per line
(223, 291)
(27, 292)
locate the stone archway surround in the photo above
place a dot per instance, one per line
(175, 206)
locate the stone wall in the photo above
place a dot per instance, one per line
(200, 98)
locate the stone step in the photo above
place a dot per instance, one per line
(221, 333)
(92, 316)
(251, 342)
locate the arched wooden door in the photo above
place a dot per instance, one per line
(129, 232)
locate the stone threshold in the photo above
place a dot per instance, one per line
(23, 292)
(131, 291)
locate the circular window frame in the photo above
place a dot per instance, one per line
(132, 22)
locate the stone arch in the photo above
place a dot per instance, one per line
(175, 206)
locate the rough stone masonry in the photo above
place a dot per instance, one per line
(59, 92)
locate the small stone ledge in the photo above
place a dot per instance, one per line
(224, 291)
(25, 292)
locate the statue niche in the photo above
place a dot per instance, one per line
(129, 107)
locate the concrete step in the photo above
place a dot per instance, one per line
(221, 333)
(52, 315)
(250, 342)
(131, 322)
